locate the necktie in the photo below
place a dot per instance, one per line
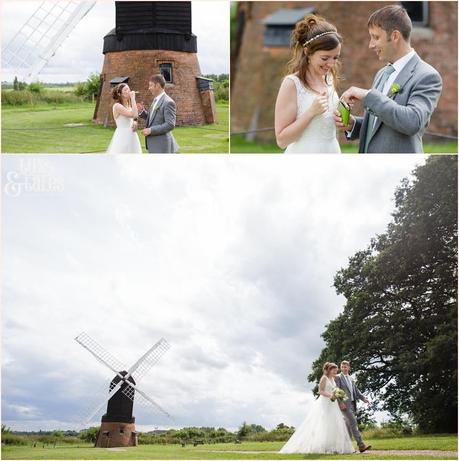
(371, 118)
(153, 105)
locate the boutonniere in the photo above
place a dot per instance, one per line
(395, 89)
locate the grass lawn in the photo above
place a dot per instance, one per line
(245, 450)
(240, 146)
(42, 129)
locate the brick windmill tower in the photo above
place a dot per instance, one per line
(152, 38)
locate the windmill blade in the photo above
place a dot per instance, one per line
(42, 34)
(100, 353)
(98, 400)
(148, 360)
(143, 399)
(95, 409)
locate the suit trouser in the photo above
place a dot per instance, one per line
(352, 427)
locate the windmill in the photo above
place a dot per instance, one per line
(118, 424)
(36, 42)
(155, 38)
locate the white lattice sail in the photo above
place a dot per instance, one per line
(36, 42)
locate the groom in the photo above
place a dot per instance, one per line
(404, 93)
(160, 119)
(349, 406)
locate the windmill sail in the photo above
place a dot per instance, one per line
(39, 38)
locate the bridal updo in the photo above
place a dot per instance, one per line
(306, 39)
(116, 92)
(328, 366)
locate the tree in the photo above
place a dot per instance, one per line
(399, 323)
(90, 88)
(89, 435)
(15, 84)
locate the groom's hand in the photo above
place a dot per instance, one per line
(146, 131)
(354, 94)
(339, 122)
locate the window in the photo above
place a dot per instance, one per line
(418, 12)
(279, 25)
(166, 71)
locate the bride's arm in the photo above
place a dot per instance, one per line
(288, 127)
(131, 113)
(322, 384)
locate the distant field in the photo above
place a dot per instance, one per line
(239, 146)
(428, 447)
(68, 128)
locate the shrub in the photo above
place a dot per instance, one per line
(221, 91)
(12, 439)
(36, 87)
(26, 97)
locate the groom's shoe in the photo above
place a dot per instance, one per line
(364, 448)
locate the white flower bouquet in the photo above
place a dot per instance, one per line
(338, 394)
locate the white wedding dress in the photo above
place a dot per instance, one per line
(124, 140)
(319, 137)
(323, 430)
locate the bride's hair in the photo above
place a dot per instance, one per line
(116, 93)
(313, 33)
(328, 366)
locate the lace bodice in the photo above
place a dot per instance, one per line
(330, 385)
(323, 124)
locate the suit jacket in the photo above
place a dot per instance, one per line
(342, 384)
(403, 118)
(161, 123)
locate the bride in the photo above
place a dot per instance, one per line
(307, 98)
(324, 429)
(125, 139)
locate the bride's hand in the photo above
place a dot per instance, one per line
(339, 122)
(132, 94)
(320, 104)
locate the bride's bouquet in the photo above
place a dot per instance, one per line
(338, 394)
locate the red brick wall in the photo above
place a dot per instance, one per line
(257, 72)
(116, 438)
(139, 66)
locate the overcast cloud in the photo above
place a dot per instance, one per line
(81, 52)
(231, 260)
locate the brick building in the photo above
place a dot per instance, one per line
(152, 38)
(261, 50)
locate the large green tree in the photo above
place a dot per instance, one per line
(399, 323)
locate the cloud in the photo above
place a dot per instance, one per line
(230, 259)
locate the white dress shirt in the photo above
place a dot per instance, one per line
(349, 385)
(398, 66)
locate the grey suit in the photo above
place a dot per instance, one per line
(403, 117)
(161, 123)
(351, 407)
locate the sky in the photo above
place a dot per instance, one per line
(230, 259)
(81, 53)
